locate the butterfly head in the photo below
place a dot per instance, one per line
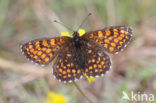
(76, 39)
(75, 34)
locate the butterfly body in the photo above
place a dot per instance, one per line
(78, 44)
(79, 54)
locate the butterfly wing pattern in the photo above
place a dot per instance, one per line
(43, 51)
(97, 63)
(113, 39)
(83, 54)
(66, 68)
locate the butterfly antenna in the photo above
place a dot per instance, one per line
(63, 25)
(84, 20)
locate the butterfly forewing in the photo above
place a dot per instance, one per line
(43, 51)
(113, 39)
(66, 67)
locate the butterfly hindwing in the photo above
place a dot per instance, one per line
(43, 51)
(66, 67)
(96, 61)
(113, 39)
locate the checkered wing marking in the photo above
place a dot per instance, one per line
(96, 62)
(113, 39)
(66, 68)
(43, 51)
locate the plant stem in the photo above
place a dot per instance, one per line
(82, 92)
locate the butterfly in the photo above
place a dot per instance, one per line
(76, 55)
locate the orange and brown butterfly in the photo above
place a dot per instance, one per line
(79, 55)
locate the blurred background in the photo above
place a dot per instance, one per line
(134, 69)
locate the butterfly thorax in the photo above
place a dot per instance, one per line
(76, 39)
